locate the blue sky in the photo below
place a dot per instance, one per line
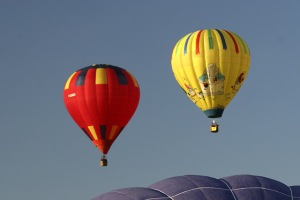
(44, 155)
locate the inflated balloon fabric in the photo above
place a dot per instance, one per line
(194, 187)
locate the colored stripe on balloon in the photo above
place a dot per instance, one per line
(243, 43)
(235, 43)
(93, 132)
(103, 131)
(86, 133)
(134, 80)
(81, 77)
(198, 42)
(67, 85)
(121, 76)
(210, 40)
(112, 131)
(222, 39)
(177, 45)
(186, 43)
(101, 77)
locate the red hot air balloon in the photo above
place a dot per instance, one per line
(101, 99)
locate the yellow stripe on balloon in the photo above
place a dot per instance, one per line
(134, 80)
(67, 85)
(101, 77)
(92, 130)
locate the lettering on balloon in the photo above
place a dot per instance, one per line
(72, 95)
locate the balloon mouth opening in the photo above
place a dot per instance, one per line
(214, 113)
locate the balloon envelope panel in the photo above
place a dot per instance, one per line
(135, 193)
(257, 187)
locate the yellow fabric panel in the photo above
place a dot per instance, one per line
(67, 85)
(134, 80)
(113, 131)
(212, 76)
(92, 130)
(101, 77)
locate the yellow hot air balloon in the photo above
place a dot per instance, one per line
(210, 66)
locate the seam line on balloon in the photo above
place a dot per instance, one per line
(292, 197)
(262, 189)
(167, 196)
(200, 188)
(228, 188)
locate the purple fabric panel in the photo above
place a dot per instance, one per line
(204, 194)
(247, 181)
(179, 184)
(296, 192)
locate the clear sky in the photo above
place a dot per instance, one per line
(44, 155)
